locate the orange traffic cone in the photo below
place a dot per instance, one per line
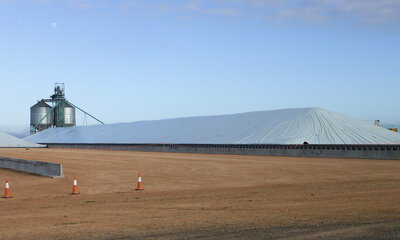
(7, 192)
(75, 187)
(139, 183)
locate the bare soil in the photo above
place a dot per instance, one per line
(201, 196)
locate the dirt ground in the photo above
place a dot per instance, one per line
(201, 196)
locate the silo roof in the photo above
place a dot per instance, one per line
(41, 103)
(68, 105)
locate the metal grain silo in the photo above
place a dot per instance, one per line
(39, 111)
(69, 115)
(64, 115)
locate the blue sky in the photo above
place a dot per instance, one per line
(129, 60)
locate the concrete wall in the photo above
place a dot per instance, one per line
(334, 151)
(53, 170)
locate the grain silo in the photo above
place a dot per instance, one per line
(41, 116)
(69, 115)
(64, 112)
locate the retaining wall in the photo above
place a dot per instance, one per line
(328, 150)
(53, 170)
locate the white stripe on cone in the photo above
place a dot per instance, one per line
(75, 182)
(7, 186)
(139, 179)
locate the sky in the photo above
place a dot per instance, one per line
(131, 60)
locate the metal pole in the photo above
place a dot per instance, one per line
(85, 112)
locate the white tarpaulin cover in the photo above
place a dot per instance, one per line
(7, 140)
(286, 126)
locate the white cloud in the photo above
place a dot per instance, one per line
(352, 12)
(367, 12)
(53, 25)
